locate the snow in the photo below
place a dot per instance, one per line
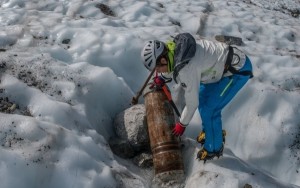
(71, 68)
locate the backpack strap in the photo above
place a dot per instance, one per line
(230, 68)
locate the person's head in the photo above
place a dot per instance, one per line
(155, 56)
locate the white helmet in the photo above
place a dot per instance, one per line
(152, 50)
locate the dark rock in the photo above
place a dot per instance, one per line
(105, 9)
(295, 13)
(66, 41)
(121, 148)
(230, 40)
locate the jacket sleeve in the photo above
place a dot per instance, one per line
(191, 87)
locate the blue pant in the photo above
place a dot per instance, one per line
(213, 98)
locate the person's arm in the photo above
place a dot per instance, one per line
(190, 83)
(191, 103)
(178, 97)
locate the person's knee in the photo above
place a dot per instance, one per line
(206, 114)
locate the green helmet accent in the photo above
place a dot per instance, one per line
(171, 49)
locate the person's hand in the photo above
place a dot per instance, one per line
(158, 82)
(178, 129)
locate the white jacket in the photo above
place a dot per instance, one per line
(207, 66)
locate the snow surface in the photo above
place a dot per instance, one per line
(71, 66)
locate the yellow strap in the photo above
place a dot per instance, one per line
(227, 86)
(171, 48)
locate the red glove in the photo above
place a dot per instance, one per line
(158, 82)
(178, 129)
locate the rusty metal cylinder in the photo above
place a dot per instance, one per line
(167, 158)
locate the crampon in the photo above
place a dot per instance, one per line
(204, 155)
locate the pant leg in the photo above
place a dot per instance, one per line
(206, 108)
(213, 98)
(211, 113)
